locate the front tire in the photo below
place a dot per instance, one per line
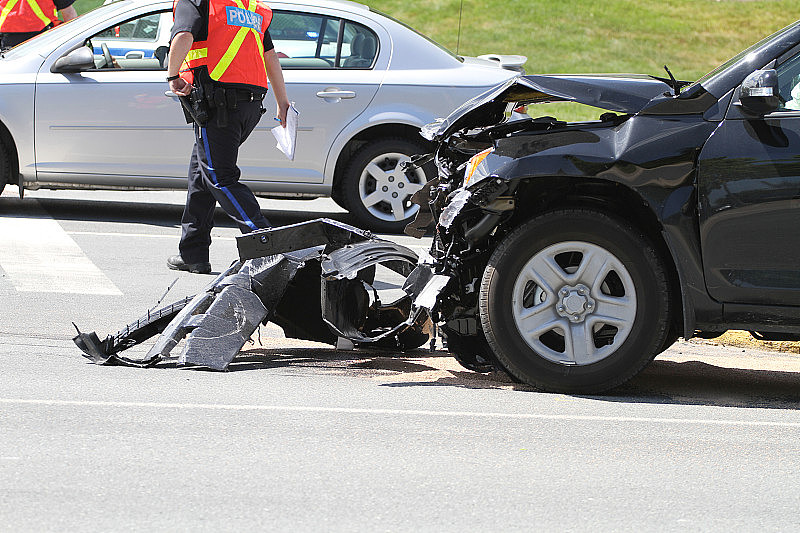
(575, 301)
(377, 191)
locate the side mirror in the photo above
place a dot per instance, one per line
(78, 60)
(759, 94)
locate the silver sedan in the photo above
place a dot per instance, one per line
(84, 106)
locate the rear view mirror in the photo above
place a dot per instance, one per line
(759, 94)
(77, 60)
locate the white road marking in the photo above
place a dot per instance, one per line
(39, 256)
(405, 412)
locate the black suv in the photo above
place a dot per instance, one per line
(582, 250)
(567, 254)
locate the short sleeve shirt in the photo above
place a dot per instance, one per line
(63, 4)
(192, 16)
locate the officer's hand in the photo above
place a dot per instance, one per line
(283, 108)
(180, 87)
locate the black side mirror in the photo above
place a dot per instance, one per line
(759, 94)
(77, 60)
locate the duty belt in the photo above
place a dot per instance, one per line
(244, 95)
(227, 98)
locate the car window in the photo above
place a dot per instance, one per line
(308, 41)
(141, 43)
(359, 46)
(789, 83)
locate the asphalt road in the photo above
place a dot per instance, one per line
(300, 437)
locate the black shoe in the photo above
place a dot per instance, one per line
(176, 262)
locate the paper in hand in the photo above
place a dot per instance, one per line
(287, 137)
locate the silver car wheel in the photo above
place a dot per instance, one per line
(385, 189)
(574, 303)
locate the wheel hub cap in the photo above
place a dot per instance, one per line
(575, 303)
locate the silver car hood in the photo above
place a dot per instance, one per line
(627, 94)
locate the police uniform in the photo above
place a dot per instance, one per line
(22, 19)
(226, 61)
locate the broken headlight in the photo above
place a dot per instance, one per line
(477, 169)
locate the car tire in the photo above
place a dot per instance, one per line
(378, 193)
(590, 294)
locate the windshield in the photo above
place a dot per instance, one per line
(737, 58)
(442, 48)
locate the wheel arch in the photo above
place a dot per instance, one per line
(12, 172)
(372, 133)
(618, 201)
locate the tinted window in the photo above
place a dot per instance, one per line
(789, 83)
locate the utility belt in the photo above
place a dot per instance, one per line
(210, 100)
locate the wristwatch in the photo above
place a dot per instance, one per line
(175, 77)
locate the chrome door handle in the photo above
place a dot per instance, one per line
(336, 94)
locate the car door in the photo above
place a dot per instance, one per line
(112, 122)
(331, 82)
(749, 191)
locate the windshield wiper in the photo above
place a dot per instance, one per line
(675, 85)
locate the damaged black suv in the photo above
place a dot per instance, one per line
(566, 254)
(582, 250)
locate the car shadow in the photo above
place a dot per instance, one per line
(661, 382)
(149, 214)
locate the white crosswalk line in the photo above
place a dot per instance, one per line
(37, 255)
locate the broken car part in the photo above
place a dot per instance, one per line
(283, 275)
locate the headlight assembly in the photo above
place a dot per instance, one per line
(477, 170)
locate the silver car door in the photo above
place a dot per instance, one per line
(329, 83)
(111, 123)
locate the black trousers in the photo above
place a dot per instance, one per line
(214, 179)
(7, 40)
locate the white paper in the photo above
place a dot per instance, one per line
(287, 137)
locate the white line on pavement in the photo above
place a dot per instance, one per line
(408, 412)
(39, 256)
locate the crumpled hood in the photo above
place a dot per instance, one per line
(620, 93)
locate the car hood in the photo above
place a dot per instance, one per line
(627, 94)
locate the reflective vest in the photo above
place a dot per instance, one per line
(18, 16)
(234, 51)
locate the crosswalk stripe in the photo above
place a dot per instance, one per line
(37, 255)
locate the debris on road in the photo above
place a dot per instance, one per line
(315, 279)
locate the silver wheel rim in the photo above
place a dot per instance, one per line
(385, 190)
(574, 303)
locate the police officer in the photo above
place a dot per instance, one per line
(22, 19)
(221, 58)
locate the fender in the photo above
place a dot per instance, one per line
(406, 115)
(598, 153)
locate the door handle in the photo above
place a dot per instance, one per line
(335, 93)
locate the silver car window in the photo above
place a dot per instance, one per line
(359, 46)
(136, 44)
(310, 41)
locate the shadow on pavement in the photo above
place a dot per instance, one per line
(699, 383)
(153, 214)
(661, 382)
(413, 368)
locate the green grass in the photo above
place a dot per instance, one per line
(594, 36)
